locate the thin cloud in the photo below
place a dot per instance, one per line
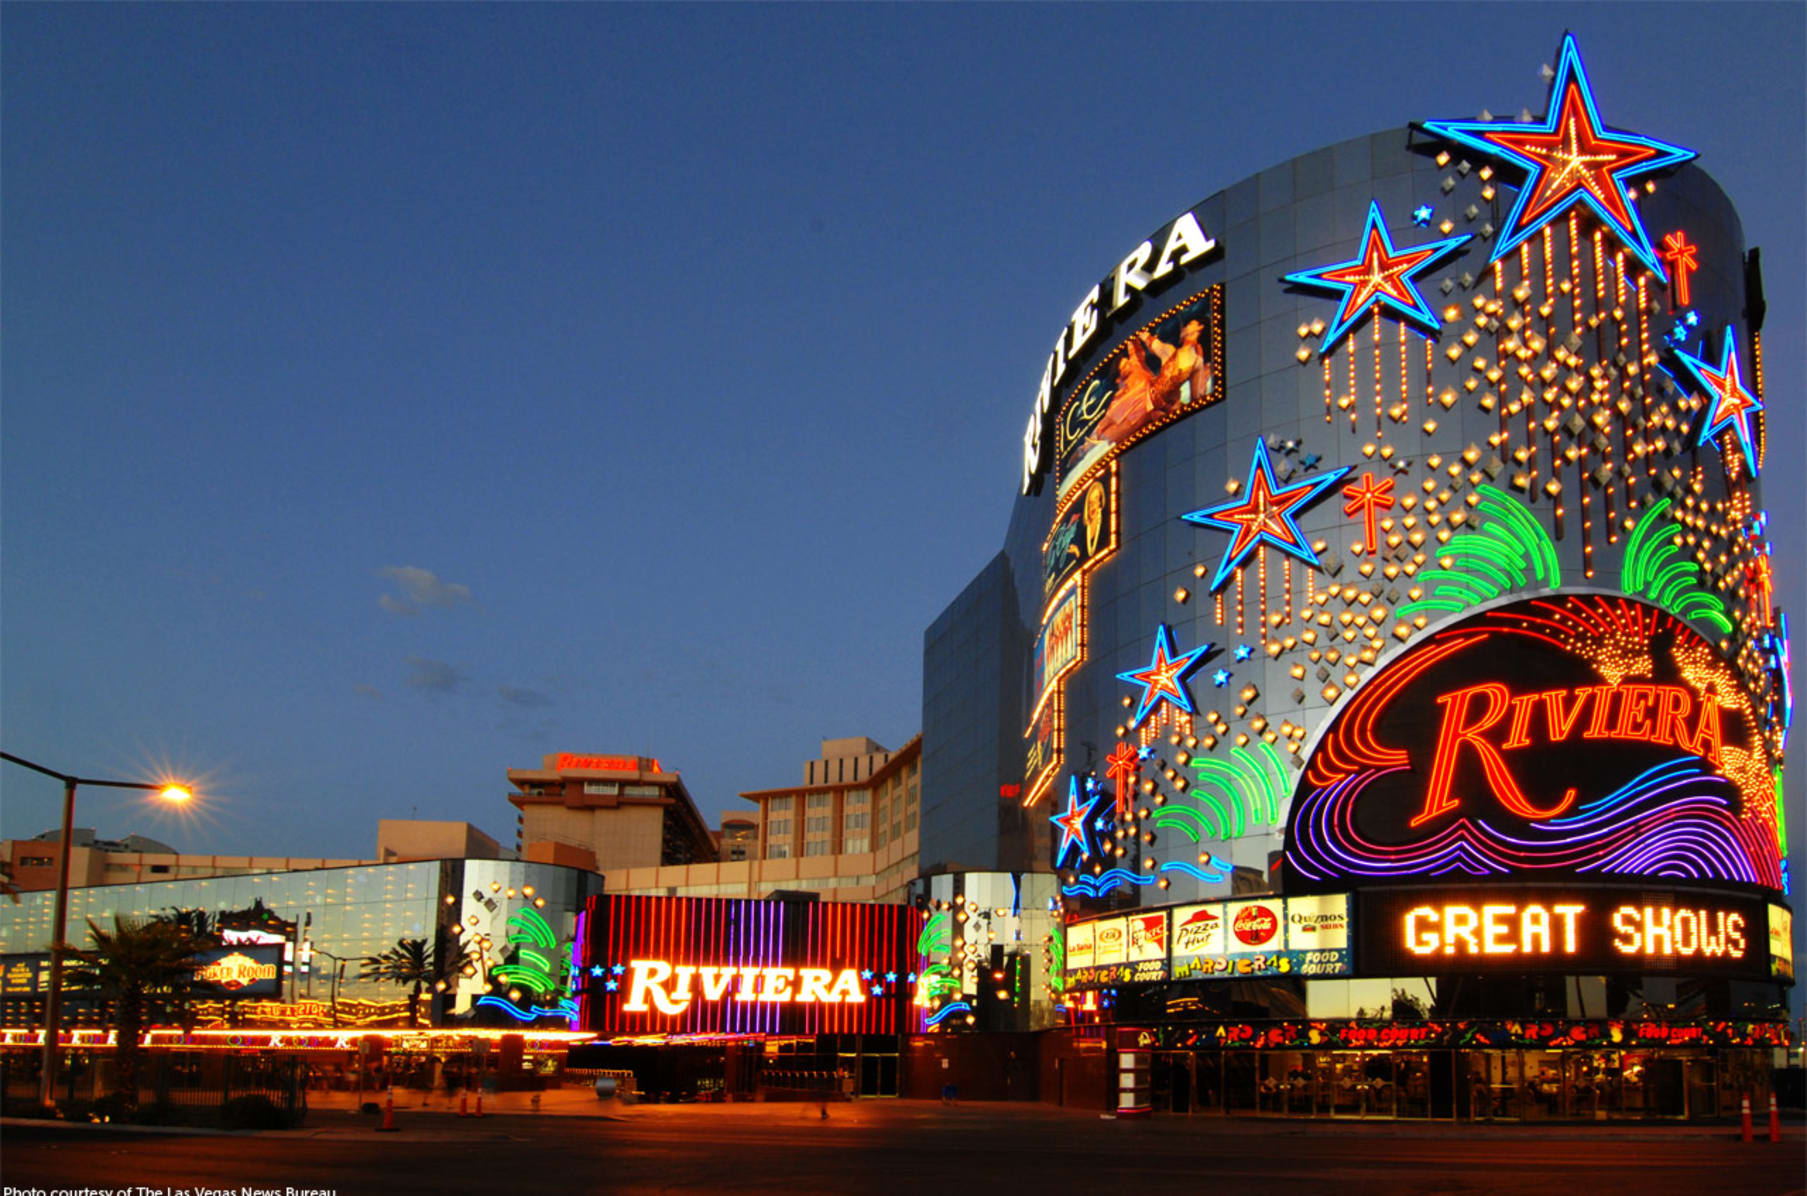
(419, 588)
(433, 676)
(517, 695)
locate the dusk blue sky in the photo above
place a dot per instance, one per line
(395, 394)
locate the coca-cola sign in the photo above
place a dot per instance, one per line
(1255, 924)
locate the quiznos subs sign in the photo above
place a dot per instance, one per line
(1148, 267)
(678, 965)
(1575, 736)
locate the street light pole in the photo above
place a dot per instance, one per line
(53, 997)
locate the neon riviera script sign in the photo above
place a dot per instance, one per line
(670, 988)
(1181, 243)
(1574, 930)
(1576, 735)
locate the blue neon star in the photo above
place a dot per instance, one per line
(1071, 822)
(1569, 158)
(1243, 652)
(1729, 402)
(1421, 215)
(912, 977)
(1263, 514)
(1165, 676)
(1220, 678)
(1144, 753)
(618, 969)
(866, 975)
(1377, 277)
(596, 969)
(878, 990)
(890, 977)
(610, 985)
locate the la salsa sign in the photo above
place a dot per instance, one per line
(1576, 735)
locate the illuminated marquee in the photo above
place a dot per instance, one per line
(1575, 735)
(241, 970)
(1578, 930)
(680, 965)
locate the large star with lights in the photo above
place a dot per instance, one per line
(1730, 401)
(1568, 159)
(1164, 678)
(1263, 514)
(1073, 823)
(1379, 276)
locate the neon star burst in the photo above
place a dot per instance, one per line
(1379, 277)
(1075, 823)
(1729, 402)
(1264, 513)
(1569, 158)
(1165, 677)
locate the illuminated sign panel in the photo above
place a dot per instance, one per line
(680, 965)
(1060, 645)
(1259, 936)
(1781, 942)
(1262, 936)
(1567, 737)
(569, 762)
(1084, 535)
(240, 971)
(1181, 243)
(1429, 931)
(24, 975)
(1170, 367)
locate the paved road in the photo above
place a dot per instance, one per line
(903, 1147)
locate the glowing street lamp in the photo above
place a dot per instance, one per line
(53, 997)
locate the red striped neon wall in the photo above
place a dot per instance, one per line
(723, 932)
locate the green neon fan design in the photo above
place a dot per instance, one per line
(1656, 568)
(1508, 550)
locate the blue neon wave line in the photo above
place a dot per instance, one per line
(1098, 886)
(564, 1009)
(956, 1007)
(1193, 870)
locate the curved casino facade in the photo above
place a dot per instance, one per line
(1401, 662)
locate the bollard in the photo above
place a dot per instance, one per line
(479, 1111)
(1744, 1117)
(1775, 1120)
(388, 1126)
(464, 1104)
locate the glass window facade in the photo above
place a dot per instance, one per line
(347, 913)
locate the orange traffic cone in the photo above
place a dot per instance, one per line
(464, 1102)
(388, 1125)
(1775, 1120)
(1744, 1117)
(479, 1111)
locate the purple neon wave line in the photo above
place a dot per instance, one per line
(1696, 833)
(583, 967)
(1458, 840)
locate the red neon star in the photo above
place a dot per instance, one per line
(1265, 512)
(1731, 403)
(1367, 496)
(1381, 274)
(1576, 156)
(1120, 767)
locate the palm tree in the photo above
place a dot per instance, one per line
(128, 966)
(412, 962)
